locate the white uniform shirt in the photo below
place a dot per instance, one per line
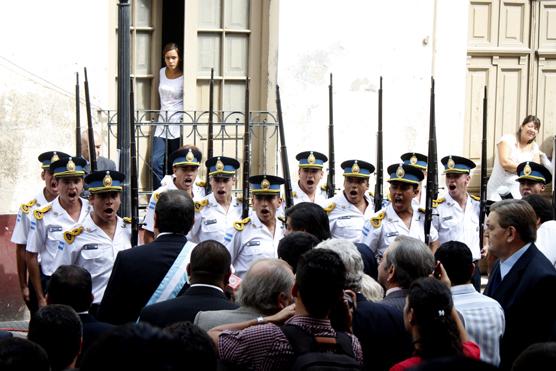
(24, 218)
(300, 196)
(96, 252)
(346, 221)
(455, 224)
(212, 221)
(379, 236)
(252, 243)
(46, 236)
(546, 235)
(198, 193)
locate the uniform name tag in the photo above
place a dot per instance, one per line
(55, 228)
(447, 217)
(211, 221)
(345, 217)
(91, 246)
(392, 234)
(254, 243)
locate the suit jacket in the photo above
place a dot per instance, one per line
(527, 296)
(209, 319)
(370, 265)
(92, 330)
(136, 274)
(185, 307)
(395, 299)
(381, 332)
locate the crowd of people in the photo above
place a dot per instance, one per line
(328, 282)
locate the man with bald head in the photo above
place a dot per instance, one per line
(103, 163)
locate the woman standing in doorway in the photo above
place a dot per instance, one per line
(167, 137)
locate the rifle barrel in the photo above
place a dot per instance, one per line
(284, 151)
(379, 155)
(246, 155)
(484, 179)
(432, 168)
(331, 186)
(210, 144)
(77, 117)
(90, 132)
(133, 171)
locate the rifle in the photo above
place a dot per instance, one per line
(133, 171)
(432, 168)
(379, 154)
(210, 144)
(77, 117)
(331, 186)
(246, 155)
(284, 151)
(90, 132)
(484, 178)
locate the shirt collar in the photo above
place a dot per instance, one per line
(206, 285)
(506, 265)
(467, 288)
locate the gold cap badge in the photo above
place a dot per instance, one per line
(355, 168)
(311, 159)
(451, 164)
(527, 169)
(54, 158)
(219, 165)
(107, 181)
(70, 165)
(400, 172)
(413, 160)
(189, 157)
(265, 184)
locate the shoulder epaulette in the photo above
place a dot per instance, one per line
(69, 236)
(27, 207)
(201, 183)
(329, 208)
(324, 187)
(39, 213)
(127, 219)
(240, 224)
(438, 201)
(156, 196)
(371, 193)
(421, 210)
(376, 221)
(282, 218)
(476, 198)
(294, 194)
(200, 204)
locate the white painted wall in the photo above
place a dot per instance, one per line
(359, 41)
(43, 44)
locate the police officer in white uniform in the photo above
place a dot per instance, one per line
(49, 222)
(402, 216)
(23, 223)
(347, 211)
(419, 161)
(94, 243)
(256, 237)
(308, 188)
(217, 212)
(185, 164)
(532, 178)
(457, 213)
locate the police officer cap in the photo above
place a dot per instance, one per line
(51, 156)
(415, 159)
(405, 174)
(189, 156)
(533, 171)
(222, 166)
(311, 160)
(265, 184)
(357, 168)
(457, 165)
(105, 181)
(68, 167)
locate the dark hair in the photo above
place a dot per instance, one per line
(431, 302)
(526, 120)
(71, 285)
(309, 217)
(457, 259)
(518, 214)
(320, 280)
(210, 263)
(57, 328)
(538, 357)
(21, 354)
(137, 346)
(292, 246)
(541, 206)
(197, 347)
(411, 259)
(175, 212)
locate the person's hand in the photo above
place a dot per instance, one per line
(281, 316)
(25, 294)
(440, 274)
(41, 301)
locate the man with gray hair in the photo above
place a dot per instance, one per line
(265, 289)
(405, 260)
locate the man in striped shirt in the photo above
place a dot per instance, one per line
(483, 316)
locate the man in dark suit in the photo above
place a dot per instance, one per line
(523, 281)
(209, 271)
(72, 285)
(138, 272)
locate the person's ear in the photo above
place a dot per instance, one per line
(188, 269)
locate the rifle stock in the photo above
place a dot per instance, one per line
(331, 186)
(379, 155)
(90, 132)
(284, 151)
(246, 155)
